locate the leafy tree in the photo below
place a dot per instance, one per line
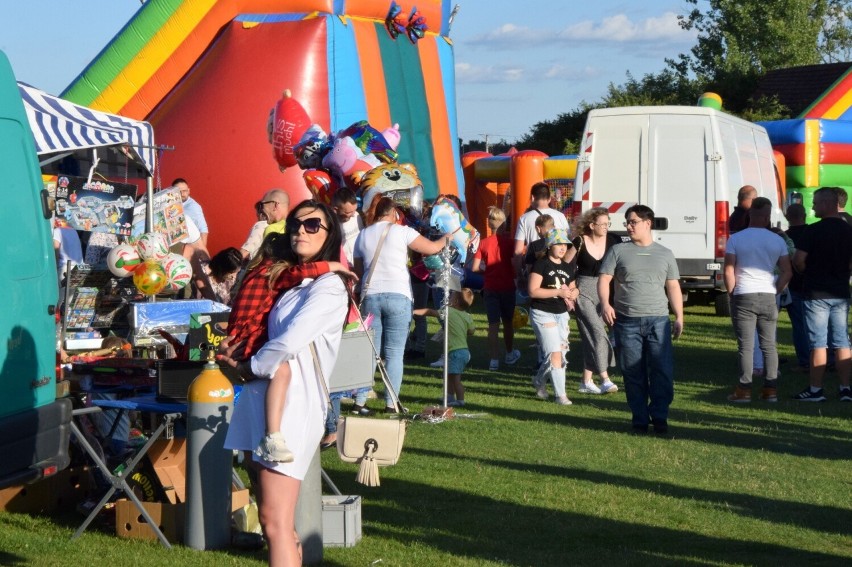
(836, 34)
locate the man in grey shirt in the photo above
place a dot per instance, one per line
(645, 273)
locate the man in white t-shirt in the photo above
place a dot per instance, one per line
(750, 260)
(525, 232)
(345, 206)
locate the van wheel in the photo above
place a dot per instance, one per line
(723, 304)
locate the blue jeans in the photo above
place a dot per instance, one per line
(645, 356)
(391, 318)
(828, 322)
(796, 311)
(333, 412)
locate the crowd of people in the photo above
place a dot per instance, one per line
(304, 269)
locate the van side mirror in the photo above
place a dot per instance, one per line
(661, 223)
(48, 204)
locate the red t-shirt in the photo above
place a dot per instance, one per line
(496, 253)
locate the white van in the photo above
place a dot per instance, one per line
(687, 164)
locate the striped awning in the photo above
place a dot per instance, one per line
(61, 126)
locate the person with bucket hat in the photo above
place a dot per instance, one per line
(552, 292)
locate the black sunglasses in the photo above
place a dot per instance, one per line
(312, 225)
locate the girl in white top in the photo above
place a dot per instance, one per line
(314, 312)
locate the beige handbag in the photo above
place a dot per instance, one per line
(370, 442)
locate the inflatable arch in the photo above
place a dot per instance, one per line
(505, 181)
(205, 74)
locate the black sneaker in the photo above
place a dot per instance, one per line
(846, 394)
(661, 426)
(361, 410)
(807, 396)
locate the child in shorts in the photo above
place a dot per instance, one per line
(460, 327)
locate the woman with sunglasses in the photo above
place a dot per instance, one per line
(592, 244)
(310, 314)
(386, 287)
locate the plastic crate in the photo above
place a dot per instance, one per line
(341, 521)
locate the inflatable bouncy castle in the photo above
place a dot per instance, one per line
(817, 146)
(505, 181)
(206, 73)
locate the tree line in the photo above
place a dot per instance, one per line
(738, 42)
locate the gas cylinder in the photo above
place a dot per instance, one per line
(208, 463)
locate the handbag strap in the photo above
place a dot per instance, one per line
(375, 261)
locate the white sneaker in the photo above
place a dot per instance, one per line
(494, 364)
(563, 401)
(438, 363)
(273, 448)
(590, 388)
(513, 357)
(608, 388)
(542, 393)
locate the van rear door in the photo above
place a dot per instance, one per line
(613, 176)
(34, 426)
(681, 180)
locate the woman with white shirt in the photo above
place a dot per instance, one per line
(386, 287)
(312, 313)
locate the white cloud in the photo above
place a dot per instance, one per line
(618, 29)
(467, 73)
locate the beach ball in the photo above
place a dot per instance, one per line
(152, 246)
(122, 260)
(149, 278)
(520, 318)
(178, 272)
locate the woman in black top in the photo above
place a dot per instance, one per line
(550, 290)
(592, 244)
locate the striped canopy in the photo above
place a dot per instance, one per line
(62, 126)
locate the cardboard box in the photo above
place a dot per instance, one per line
(206, 330)
(356, 363)
(130, 523)
(341, 521)
(60, 492)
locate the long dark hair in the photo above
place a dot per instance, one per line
(330, 251)
(225, 262)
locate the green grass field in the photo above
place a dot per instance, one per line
(526, 482)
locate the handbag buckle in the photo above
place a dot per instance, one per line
(369, 442)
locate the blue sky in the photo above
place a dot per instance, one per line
(518, 62)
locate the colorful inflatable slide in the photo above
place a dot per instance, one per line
(817, 146)
(205, 73)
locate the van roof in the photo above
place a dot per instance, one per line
(680, 110)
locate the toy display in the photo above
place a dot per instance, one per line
(149, 278)
(123, 260)
(152, 246)
(178, 272)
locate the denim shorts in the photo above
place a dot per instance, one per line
(500, 306)
(458, 360)
(551, 337)
(827, 321)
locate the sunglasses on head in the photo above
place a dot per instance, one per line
(312, 225)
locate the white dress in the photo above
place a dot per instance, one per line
(312, 312)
